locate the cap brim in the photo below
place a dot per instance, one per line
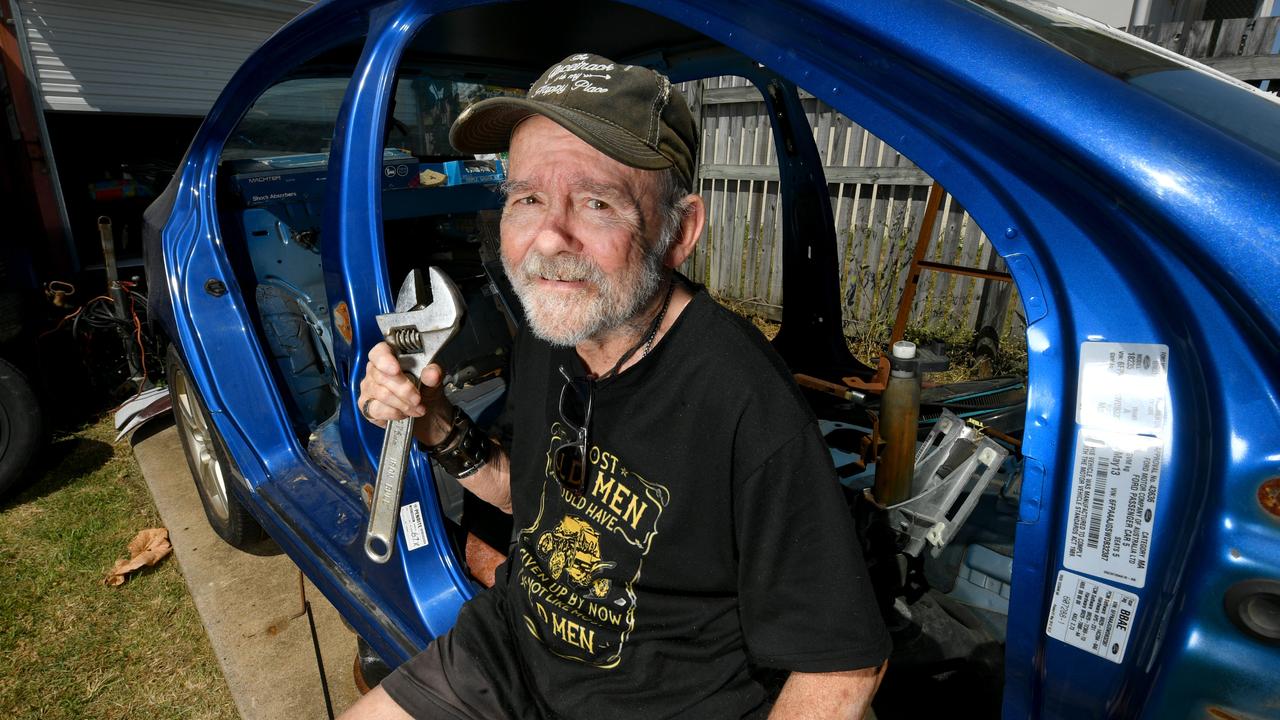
(486, 128)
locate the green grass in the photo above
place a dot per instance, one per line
(71, 647)
(957, 345)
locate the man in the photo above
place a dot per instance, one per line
(678, 516)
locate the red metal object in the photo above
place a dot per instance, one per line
(837, 390)
(34, 164)
(962, 270)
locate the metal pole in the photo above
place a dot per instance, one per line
(118, 296)
(899, 423)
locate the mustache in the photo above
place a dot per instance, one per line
(562, 266)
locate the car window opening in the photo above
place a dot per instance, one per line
(961, 593)
(862, 211)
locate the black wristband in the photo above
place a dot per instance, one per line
(465, 450)
(457, 426)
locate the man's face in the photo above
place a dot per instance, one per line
(579, 234)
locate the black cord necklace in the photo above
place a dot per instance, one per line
(646, 342)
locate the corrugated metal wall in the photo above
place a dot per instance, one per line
(168, 57)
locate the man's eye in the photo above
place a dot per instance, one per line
(527, 200)
(595, 204)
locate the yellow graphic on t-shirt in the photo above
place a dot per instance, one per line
(574, 546)
(579, 560)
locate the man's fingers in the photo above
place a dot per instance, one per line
(401, 392)
(368, 408)
(402, 398)
(397, 383)
(383, 358)
(432, 376)
(384, 410)
(396, 393)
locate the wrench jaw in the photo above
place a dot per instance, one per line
(435, 316)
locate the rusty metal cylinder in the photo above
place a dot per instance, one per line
(899, 419)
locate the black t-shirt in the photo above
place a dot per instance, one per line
(710, 534)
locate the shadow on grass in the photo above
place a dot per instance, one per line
(59, 464)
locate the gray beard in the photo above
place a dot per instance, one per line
(615, 305)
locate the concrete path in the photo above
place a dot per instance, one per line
(251, 605)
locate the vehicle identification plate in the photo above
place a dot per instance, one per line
(1092, 616)
(415, 530)
(1113, 505)
(1123, 387)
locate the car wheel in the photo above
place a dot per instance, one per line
(556, 565)
(20, 426)
(207, 457)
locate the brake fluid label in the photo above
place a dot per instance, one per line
(1113, 505)
(415, 530)
(1092, 616)
(1123, 387)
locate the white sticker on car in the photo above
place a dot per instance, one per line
(1114, 490)
(1092, 616)
(415, 530)
(1123, 387)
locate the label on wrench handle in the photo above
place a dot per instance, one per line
(379, 540)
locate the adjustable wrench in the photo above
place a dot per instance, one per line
(422, 323)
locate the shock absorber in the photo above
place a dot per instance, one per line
(899, 418)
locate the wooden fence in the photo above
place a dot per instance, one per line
(1241, 47)
(877, 200)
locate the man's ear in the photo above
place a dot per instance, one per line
(690, 230)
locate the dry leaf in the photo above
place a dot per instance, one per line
(147, 548)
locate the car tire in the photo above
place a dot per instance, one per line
(210, 464)
(21, 426)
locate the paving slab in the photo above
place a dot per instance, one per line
(251, 605)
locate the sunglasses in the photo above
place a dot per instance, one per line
(569, 454)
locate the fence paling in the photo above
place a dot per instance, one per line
(1241, 47)
(878, 199)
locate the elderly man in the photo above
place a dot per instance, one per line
(679, 522)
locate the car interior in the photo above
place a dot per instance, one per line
(947, 610)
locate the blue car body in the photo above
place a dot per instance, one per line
(1134, 198)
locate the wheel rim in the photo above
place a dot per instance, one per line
(209, 472)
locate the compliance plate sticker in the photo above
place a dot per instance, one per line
(1113, 505)
(415, 530)
(1092, 616)
(1123, 387)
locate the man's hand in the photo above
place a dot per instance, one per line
(387, 394)
(845, 695)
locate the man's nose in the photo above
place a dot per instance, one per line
(555, 233)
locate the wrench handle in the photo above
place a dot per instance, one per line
(386, 492)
